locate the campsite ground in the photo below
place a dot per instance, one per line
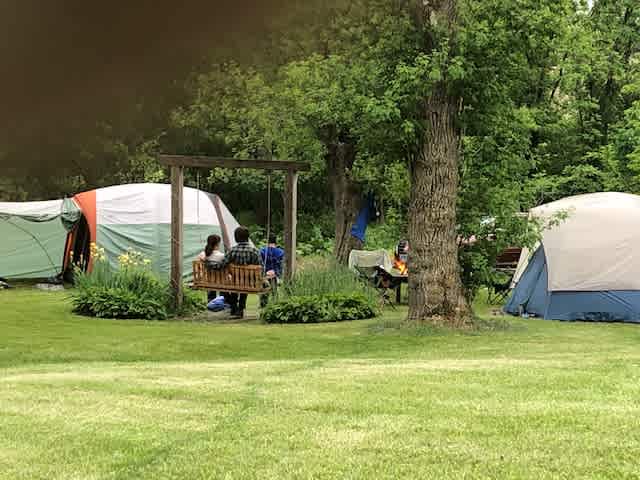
(86, 398)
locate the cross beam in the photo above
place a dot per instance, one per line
(177, 163)
(223, 162)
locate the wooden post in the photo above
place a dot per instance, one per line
(177, 185)
(290, 223)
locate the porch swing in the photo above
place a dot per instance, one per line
(233, 278)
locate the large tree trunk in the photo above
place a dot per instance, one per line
(346, 198)
(436, 293)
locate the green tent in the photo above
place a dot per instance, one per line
(33, 237)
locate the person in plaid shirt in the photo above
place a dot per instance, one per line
(243, 253)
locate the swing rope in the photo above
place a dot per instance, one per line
(198, 204)
(264, 266)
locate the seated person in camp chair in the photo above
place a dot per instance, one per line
(243, 253)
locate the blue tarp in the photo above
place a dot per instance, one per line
(531, 296)
(364, 217)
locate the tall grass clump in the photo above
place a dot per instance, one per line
(326, 278)
(130, 290)
(325, 292)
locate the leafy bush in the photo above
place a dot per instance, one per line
(315, 243)
(322, 292)
(354, 306)
(116, 302)
(193, 301)
(315, 233)
(129, 291)
(318, 308)
(385, 236)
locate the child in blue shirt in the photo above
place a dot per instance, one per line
(272, 257)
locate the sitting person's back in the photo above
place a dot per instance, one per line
(243, 253)
(212, 256)
(211, 252)
(272, 257)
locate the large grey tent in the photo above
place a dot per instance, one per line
(37, 238)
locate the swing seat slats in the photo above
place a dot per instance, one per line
(232, 279)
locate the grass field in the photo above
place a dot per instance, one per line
(98, 399)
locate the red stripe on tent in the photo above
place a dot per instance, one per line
(87, 203)
(67, 248)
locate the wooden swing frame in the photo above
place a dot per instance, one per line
(177, 164)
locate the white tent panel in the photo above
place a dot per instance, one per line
(150, 203)
(594, 247)
(49, 208)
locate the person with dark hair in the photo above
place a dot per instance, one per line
(212, 251)
(212, 254)
(243, 253)
(272, 257)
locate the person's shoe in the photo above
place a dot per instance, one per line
(237, 314)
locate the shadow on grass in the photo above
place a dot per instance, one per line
(480, 326)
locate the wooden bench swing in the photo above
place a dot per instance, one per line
(234, 278)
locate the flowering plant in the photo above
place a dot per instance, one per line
(132, 258)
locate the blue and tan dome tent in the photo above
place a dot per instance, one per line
(45, 235)
(587, 265)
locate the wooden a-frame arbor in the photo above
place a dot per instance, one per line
(177, 163)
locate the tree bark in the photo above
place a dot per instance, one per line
(346, 198)
(436, 293)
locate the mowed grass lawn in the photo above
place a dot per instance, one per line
(99, 399)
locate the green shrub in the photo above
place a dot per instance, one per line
(322, 292)
(130, 290)
(355, 306)
(320, 308)
(116, 302)
(315, 243)
(193, 301)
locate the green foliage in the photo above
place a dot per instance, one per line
(315, 243)
(322, 292)
(193, 302)
(131, 290)
(324, 278)
(385, 236)
(320, 308)
(118, 302)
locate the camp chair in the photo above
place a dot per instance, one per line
(500, 286)
(369, 265)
